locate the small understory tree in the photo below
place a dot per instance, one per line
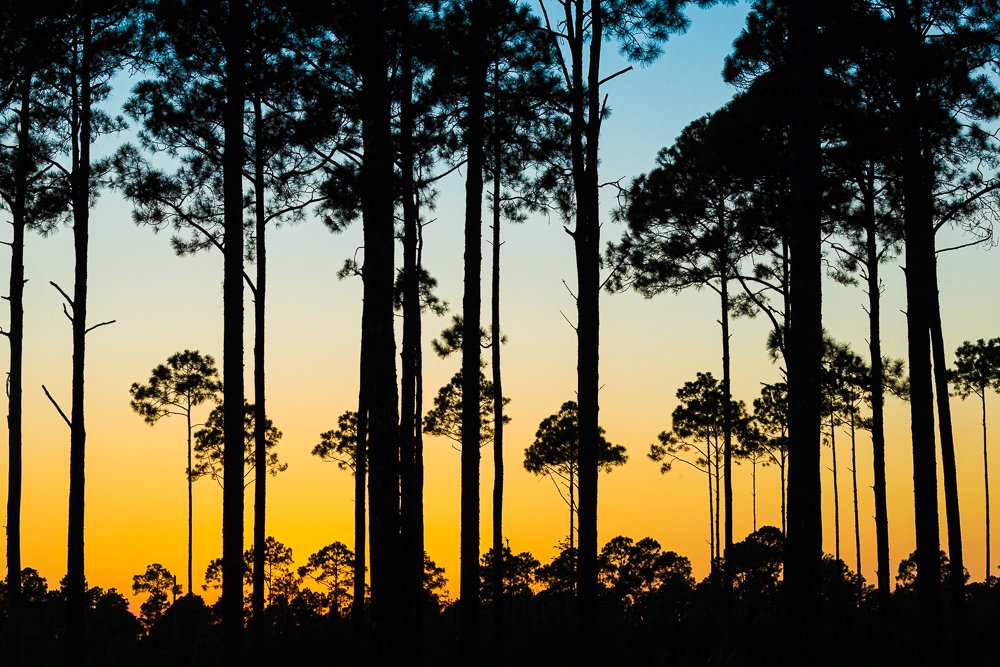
(187, 380)
(208, 448)
(555, 454)
(161, 590)
(976, 372)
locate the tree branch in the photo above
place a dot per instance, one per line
(56, 405)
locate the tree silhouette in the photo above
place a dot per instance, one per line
(555, 453)
(27, 148)
(445, 418)
(281, 580)
(635, 572)
(185, 381)
(340, 446)
(697, 441)
(977, 370)
(209, 448)
(769, 429)
(94, 44)
(332, 567)
(518, 574)
(685, 229)
(161, 590)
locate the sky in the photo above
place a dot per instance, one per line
(136, 509)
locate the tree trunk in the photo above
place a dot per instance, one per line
(471, 344)
(836, 488)
(919, 258)
(360, 481)
(718, 506)
(727, 420)
(804, 344)
(379, 393)
(986, 486)
(260, 395)
(496, 340)
(572, 505)
(753, 475)
(854, 485)
(409, 423)
(883, 571)
(76, 583)
(15, 382)
(233, 161)
(784, 512)
(190, 493)
(949, 471)
(711, 517)
(588, 259)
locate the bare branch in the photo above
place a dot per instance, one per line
(56, 405)
(96, 326)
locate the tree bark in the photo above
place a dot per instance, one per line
(380, 395)
(804, 344)
(883, 570)
(948, 467)
(409, 419)
(919, 258)
(15, 383)
(471, 347)
(233, 161)
(498, 416)
(836, 488)
(588, 260)
(986, 486)
(190, 499)
(76, 583)
(260, 394)
(854, 485)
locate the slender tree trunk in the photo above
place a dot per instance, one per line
(784, 512)
(883, 570)
(919, 258)
(718, 505)
(753, 474)
(588, 261)
(413, 556)
(727, 419)
(572, 505)
(854, 485)
(260, 393)
(360, 520)
(379, 392)
(986, 486)
(949, 471)
(15, 382)
(804, 344)
(190, 493)
(711, 520)
(471, 347)
(233, 161)
(498, 416)
(836, 488)
(80, 184)
(418, 442)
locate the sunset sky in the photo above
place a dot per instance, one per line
(136, 490)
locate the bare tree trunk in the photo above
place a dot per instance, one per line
(711, 517)
(76, 583)
(919, 257)
(986, 486)
(718, 505)
(190, 493)
(379, 392)
(572, 505)
(471, 344)
(784, 512)
(753, 474)
(804, 344)
(727, 420)
(836, 488)
(409, 423)
(233, 161)
(15, 382)
(949, 471)
(498, 416)
(360, 519)
(883, 572)
(854, 485)
(588, 258)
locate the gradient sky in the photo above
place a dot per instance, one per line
(136, 491)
